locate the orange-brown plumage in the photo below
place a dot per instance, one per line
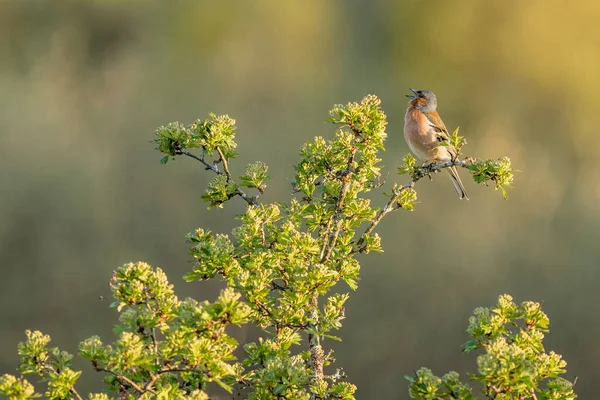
(425, 134)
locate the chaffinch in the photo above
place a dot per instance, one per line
(424, 131)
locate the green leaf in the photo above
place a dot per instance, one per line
(457, 141)
(407, 199)
(255, 176)
(225, 386)
(280, 258)
(218, 132)
(219, 190)
(499, 172)
(471, 345)
(17, 388)
(280, 388)
(409, 165)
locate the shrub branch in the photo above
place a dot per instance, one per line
(281, 266)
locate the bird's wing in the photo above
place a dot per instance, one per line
(441, 133)
(438, 126)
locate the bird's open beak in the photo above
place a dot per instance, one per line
(410, 96)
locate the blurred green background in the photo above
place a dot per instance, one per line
(84, 85)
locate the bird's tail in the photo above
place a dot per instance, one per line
(458, 185)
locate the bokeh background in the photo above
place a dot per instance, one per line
(84, 85)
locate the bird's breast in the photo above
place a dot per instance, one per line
(418, 134)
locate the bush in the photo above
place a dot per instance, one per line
(280, 266)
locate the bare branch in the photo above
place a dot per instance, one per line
(76, 394)
(225, 165)
(429, 168)
(213, 167)
(533, 395)
(251, 200)
(380, 182)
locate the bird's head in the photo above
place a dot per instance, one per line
(423, 100)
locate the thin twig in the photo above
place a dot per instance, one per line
(75, 393)
(56, 371)
(251, 200)
(126, 380)
(225, 165)
(418, 174)
(266, 312)
(360, 244)
(332, 237)
(380, 182)
(428, 169)
(148, 386)
(151, 382)
(213, 167)
(326, 239)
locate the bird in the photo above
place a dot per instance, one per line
(427, 136)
